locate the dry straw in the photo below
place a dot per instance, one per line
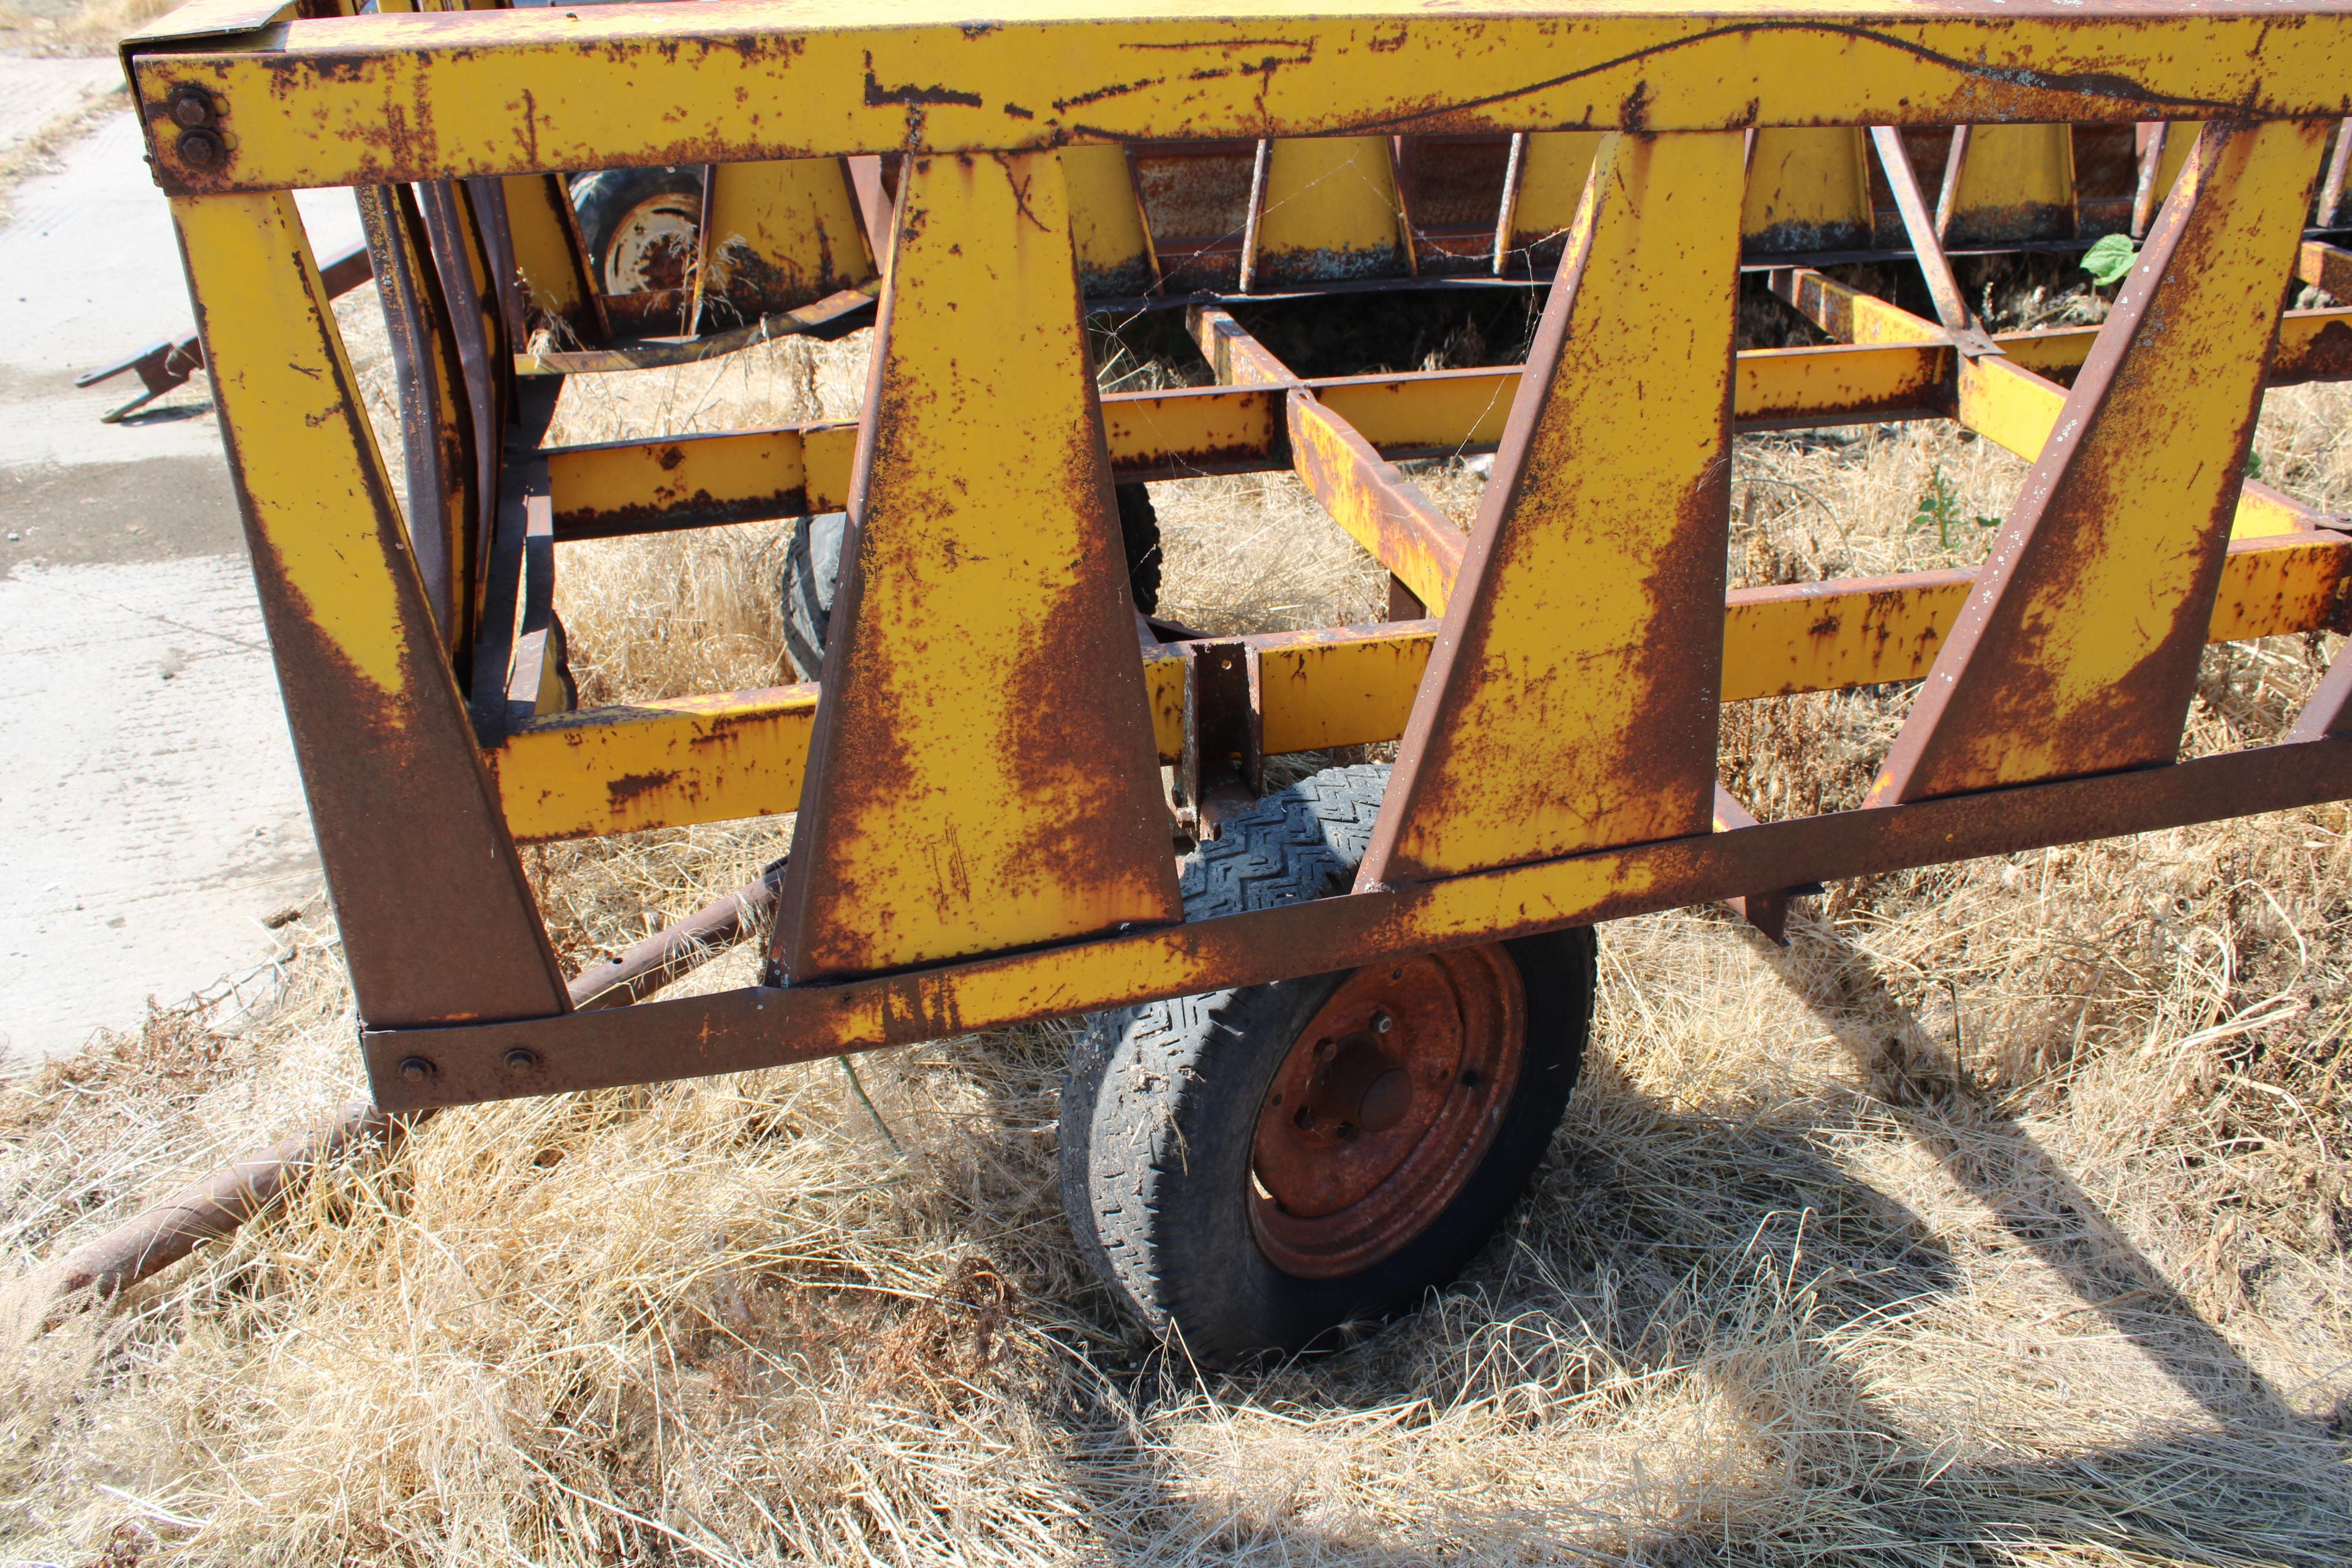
(2001, 1219)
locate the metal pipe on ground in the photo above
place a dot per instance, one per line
(212, 1208)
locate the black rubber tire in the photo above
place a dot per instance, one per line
(604, 198)
(813, 574)
(1139, 530)
(1161, 1104)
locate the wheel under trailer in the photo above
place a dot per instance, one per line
(984, 835)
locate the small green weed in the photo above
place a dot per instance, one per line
(1939, 508)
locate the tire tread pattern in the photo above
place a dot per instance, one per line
(1300, 843)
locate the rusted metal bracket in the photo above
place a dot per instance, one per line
(1768, 913)
(1222, 769)
(164, 366)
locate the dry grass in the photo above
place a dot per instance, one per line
(2002, 1219)
(64, 27)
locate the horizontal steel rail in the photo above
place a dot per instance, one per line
(982, 838)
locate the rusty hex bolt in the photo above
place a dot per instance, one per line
(189, 106)
(199, 149)
(416, 1069)
(522, 1058)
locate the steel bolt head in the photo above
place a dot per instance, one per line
(521, 1058)
(199, 149)
(190, 106)
(1383, 1023)
(416, 1069)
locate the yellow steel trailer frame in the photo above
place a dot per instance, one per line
(983, 838)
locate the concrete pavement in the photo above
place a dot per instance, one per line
(150, 817)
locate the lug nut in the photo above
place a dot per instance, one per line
(199, 149)
(189, 106)
(522, 1058)
(416, 1069)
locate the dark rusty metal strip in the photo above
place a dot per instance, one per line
(740, 1031)
(2328, 710)
(2079, 647)
(1768, 913)
(539, 637)
(524, 481)
(462, 262)
(2145, 197)
(1926, 246)
(437, 428)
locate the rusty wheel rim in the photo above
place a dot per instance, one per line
(1386, 1102)
(653, 247)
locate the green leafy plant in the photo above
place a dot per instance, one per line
(1939, 508)
(2110, 258)
(2254, 463)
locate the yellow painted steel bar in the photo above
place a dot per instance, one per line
(1571, 701)
(1375, 504)
(2326, 267)
(620, 486)
(2008, 404)
(440, 924)
(606, 488)
(370, 99)
(982, 774)
(655, 765)
(780, 235)
(2012, 183)
(550, 259)
(2078, 651)
(1113, 239)
(1330, 210)
(2313, 345)
(1808, 190)
(735, 754)
(1541, 195)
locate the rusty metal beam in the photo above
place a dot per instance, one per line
(739, 755)
(906, 852)
(389, 98)
(437, 921)
(1927, 245)
(2078, 651)
(2327, 268)
(1768, 913)
(1572, 696)
(1376, 504)
(761, 1026)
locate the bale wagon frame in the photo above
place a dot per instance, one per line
(985, 836)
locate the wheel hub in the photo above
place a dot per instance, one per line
(1384, 1105)
(652, 249)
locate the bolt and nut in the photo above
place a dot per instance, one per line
(199, 149)
(190, 106)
